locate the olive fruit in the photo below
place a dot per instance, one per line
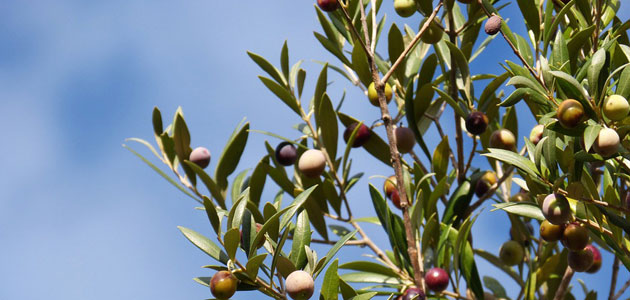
(476, 123)
(300, 285)
(413, 293)
(434, 32)
(607, 142)
(556, 209)
(570, 113)
(312, 163)
(518, 197)
(536, 134)
(597, 259)
(395, 196)
(575, 237)
(616, 107)
(511, 253)
(493, 25)
(405, 139)
(391, 191)
(550, 232)
(328, 5)
(405, 8)
(200, 156)
(484, 183)
(436, 279)
(286, 154)
(223, 285)
(390, 185)
(373, 95)
(580, 260)
(362, 136)
(503, 139)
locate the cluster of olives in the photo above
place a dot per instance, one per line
(435, 279)
(299, 285)
(557, 226)
(312, 162)
(615, 108)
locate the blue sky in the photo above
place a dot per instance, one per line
(82, 218)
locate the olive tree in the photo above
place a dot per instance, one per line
(565, 191)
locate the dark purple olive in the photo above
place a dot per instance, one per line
(286, 154)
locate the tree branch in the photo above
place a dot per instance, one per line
(564, 284)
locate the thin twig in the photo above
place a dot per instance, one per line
(452, 88)
(411, 45)
(613, 280)
(472, 154)
(622, 290)
(564, 284)
(518, 54)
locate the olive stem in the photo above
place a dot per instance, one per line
(395, 155)
(622, 290)
(411, 45)
(613, 280)
(452, 87)
(564, 284)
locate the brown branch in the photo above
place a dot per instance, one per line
(622, 290)
(564, 284)
(452, 87)
(472, 154)
(613, 280)
(411, 45)
(387, 120)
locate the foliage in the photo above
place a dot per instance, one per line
(574, 50)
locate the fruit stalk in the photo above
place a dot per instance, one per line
(387, 120)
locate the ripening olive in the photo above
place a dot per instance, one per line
(405, 139)
(493, 25)
(570, 113)
(597, 259)
(373, 95)
(575, 237)
(434, 32)
(550, 232)
(223, 285)
(328, 5)
(607, 142)
(436, 279)
(362, 136)
(200, 156)
(413, 293)
(616, 107)
(390, 185)
(518, 197)
(405, 8)
(580, 260)
(286, 154)
(503, 139)
(536, 134)
(556, 209)
(300, 285)
(476, 123)
(312, 163)
(484, 183)
(511, 253)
